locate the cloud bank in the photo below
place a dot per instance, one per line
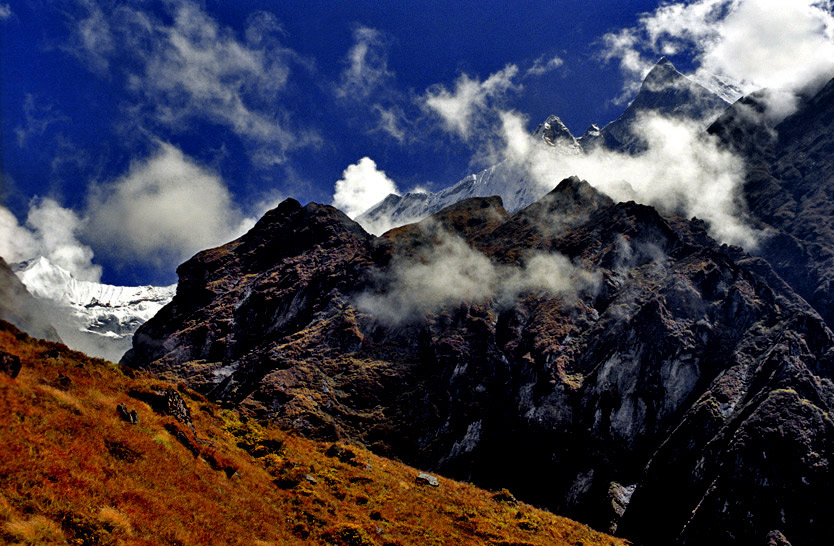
(682, 170)
(785, 46)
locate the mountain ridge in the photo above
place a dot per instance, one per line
(665, 91)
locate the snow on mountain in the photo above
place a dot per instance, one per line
(664, 90)
(667, 92)
(98, 319)
(505, 179)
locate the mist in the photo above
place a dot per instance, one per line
(681, 169)
(452, 272)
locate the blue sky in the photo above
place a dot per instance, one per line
(136, 133)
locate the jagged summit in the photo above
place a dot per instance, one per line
(556, 134)
(664, 91)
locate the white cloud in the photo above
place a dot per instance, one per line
(451, 272)
(362, 186)
(50, 231)
(367, 65)
(5, 12)
(683, 170)
(92, 40)
(189, 67)
(457, 109)
(38, 119)
(392, 121)
(543, 66)
(753, 43)
(162, 210)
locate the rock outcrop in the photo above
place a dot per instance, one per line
(613, 364)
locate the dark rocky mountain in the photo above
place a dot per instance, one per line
(20, 308)
(650, 381)
(790, 189)
(665, 92)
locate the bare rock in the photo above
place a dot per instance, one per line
(9, 364)
(427, 479)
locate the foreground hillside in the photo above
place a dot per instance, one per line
(77, 469)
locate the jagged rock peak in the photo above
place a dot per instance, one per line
(662, 72)
(554, 132)
(581, 191)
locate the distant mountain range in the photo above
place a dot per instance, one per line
(664, 91)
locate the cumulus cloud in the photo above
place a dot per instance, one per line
(459, 109)
(162, 210)
(187, 67)
(5, 12)
(362, 186)
(542, 66)
(755, 44)
(452, 272)
(51, 231)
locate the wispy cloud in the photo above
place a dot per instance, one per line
(188, 67)
(165, 208)
(5, 12)
(39, 117)
(362, 185)
(459, 108)
(753, 43)
(367, 81)
(366, 64)
(543, 65)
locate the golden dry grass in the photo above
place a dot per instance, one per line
(72, 472)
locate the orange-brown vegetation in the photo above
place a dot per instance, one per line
(72, 471)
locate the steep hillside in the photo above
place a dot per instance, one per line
(91, 455)
(597, 358)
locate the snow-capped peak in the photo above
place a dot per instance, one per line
(96, 318)
(46, 280)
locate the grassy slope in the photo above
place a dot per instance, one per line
(71, 471)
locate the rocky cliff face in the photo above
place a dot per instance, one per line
(790, 189)
(593, 357)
